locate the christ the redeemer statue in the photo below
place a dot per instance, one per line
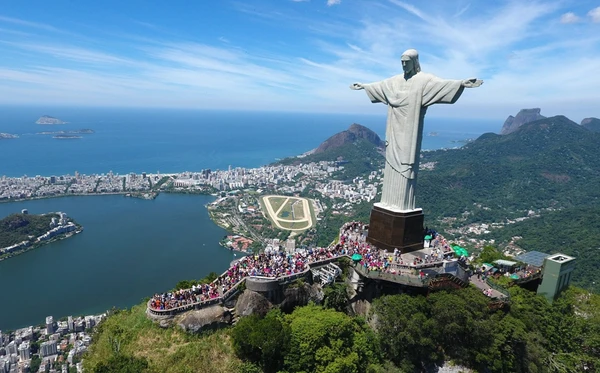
(407, 97)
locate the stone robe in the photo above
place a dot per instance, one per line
(407, 101)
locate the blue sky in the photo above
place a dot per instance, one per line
(291, 55)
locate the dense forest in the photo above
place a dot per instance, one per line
(549, 163)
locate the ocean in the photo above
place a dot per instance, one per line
(132, 248)
(151, 140)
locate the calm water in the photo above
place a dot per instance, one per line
(173, 141)
(129, 250)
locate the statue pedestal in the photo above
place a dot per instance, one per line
(390, 229)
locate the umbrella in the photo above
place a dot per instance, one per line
(428, 237)
(356, 257)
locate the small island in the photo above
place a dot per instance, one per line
(84, 131)
(22, 232)
(66, 136)
(47, 119)
(7, 136)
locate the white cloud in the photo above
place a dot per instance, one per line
(333, 2)
(595, 14)
(569, 17)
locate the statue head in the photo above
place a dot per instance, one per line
(410, 62)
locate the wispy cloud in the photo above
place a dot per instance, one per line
(333, 2)
(595, 14)
(515, 47)
(20, 22)
(70, 53)
(569, 17)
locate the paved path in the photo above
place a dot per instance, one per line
(483, 286)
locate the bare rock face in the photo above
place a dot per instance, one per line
(592, 124)
(250, 302)
(295, 296)
(211, 317)
(524, 116)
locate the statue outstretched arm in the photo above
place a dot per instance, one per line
(472, 83)
(356, 86)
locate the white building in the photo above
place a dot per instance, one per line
(48, 348)
(24, 351)
(49, 325)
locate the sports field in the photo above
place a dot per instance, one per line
(289, 213)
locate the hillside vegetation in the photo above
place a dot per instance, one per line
(552, 162)
(129, 341)
(405, 334)
(17, 228)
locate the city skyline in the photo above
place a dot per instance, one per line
(298, 55)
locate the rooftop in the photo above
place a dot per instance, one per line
(534, 258)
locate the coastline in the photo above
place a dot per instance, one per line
(39, 244)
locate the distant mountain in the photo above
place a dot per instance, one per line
(524, 116)
(592, 124)
(549, 166)
(548, 162)
(358, 149)
(350, 136)
(47, 119)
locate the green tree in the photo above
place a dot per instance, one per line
(406, 331)
(262, 341)
(324, 340)
(336, 297)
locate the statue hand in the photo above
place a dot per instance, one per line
(472, 83)
(356, 86)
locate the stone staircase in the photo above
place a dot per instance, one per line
(446, 281)
(326, 274)
(234, 316)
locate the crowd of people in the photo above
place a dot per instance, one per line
(277, 264)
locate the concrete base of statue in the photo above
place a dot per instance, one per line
(390, 228)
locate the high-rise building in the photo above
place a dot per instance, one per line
(11, 348)
(1, 339)
(24, 351)
(90, 321)
(48, 348)
(49, 325)
(70, 323)
(4, 364)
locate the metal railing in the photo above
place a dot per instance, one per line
(502, 290)
(405, 279)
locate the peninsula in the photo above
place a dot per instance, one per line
(47, 119)
(23, 232)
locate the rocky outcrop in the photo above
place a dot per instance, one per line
(251, 302)
(295, 296)
(211, 317)
(592, 124)
(511, 124)
(350, 136)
